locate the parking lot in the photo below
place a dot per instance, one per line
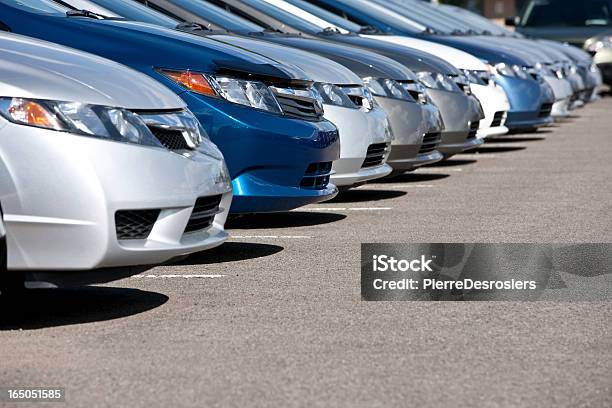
(274, 317)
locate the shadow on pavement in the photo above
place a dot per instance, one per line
(412, 178)
(359, 196)
(40, 308)
(515, 139)
(290, 219)
(452, 162)
(231, 252)
(495, 149)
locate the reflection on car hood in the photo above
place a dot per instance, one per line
(31, 68)
(317, 68)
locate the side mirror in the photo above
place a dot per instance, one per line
(512, 21)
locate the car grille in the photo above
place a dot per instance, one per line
(317, 176)
(545, 110)
(376, 155)
(430, 142)
(172, 139)
(203, 213)
(135, 224)
(299, 107)
(497, 119)
(473, 129)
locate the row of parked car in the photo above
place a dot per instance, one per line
(130, 130)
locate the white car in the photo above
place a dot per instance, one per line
(101, 168)
(492, 98)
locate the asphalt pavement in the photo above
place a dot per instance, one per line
(274, 317)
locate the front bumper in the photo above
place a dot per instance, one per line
(458, 112)
(267, 155)
(358, 131)
(530, 102)
(563, 92)
(495, 104)
(410, 122)
(60, 193)
(603, 59)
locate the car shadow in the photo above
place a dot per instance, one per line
(412, 178)
(515, 139)
(41, 308)
(452, 163)
(495, 149)
(363, 195)
(230, 252)
(291, 219)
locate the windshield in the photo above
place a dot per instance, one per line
(37, 6)
(284, 17)
(567, 13)
(218, 16)
(427, 15)
(331, 18)
(137, 12)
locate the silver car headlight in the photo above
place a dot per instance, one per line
(417, 91)
(387, 87)
(360, 95)
(255, 94)
(334, 95)
(102, 122)
(594, 45)
(437, 81)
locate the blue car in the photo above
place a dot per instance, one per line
(262, 115)
(530, 100)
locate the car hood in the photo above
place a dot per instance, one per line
(146, 46)
(480, 48)
(31, 68)
(414, 59)
(460, 59)
(362, 62)
(318, 68)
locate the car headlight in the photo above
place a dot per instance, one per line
(417, 91)
(388, 88)
(360, 95)
(334, 95)
(255, 94)
(437, 81)
(597, 44)
(102, 122)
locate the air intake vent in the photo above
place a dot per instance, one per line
(172, 139)
(376, 154)
(135, 224)
(317, 176)
(497, 119)
(203, 213)
(545, 110)
(473, 129)
(430, 142)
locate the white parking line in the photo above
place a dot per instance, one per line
(176, 276)
(315, 209)
(270, 236)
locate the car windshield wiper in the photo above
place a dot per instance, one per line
(85, 13)
(192, 26)
(368, 29)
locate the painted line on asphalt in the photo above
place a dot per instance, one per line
(315, 209)
(271, 236)
(173, 276)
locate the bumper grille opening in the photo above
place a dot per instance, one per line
(497, 119)
(473, 130)
(135, 224)
(430, 142)
(172, 139)
(203, 213)
(317, 176)
(299, 108)
(545, 110)
(375, 155)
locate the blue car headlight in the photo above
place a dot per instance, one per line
(255, 94)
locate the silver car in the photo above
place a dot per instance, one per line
(101, 168)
